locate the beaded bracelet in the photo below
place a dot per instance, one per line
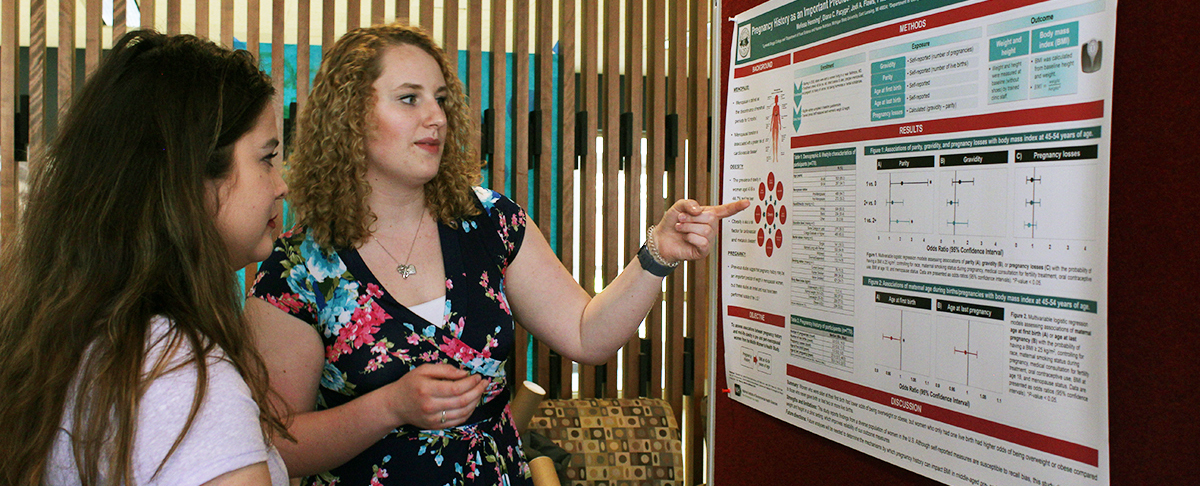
(654, 249)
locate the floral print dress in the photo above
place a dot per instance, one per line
(371, 340)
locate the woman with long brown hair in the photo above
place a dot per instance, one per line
(386, 315)
(125, 358)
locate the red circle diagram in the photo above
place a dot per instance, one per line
(757, 214)
(770, 247)
(782, 214)
(779, 238)
(779, 191)
(771, 180)
(762, 191)
(762, 236)
(770, 214)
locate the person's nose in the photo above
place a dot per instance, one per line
(437, 116)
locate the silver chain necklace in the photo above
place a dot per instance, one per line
(406, 269)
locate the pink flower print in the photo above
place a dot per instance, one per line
(449, 284)
(375, 292)
(483, 280)
(358, 332)
(289, 303)
(499, 298)
(429, 357)
(457, 328)
(380, 473)
(457, 350)
(336, 350)
(487, 348)
(413, 339)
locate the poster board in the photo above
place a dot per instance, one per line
(924, 275)
(741, 436)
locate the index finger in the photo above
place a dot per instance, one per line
(731, 208)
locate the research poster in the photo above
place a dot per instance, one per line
(922, 275)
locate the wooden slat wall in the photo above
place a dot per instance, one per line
(118, 28)
(610, 249)
(226, 37)
(640, 85)
(656, 144)
(377, 11)
(303, 52)
(520, 142)
(401, 11)
(148, 13)
(449, 29)
(66, 56)
(92, 24)
(201, 18)
(8, 107)
(588, 237)
(568, 155)
(676, 189)
(37, 76)
(499, 95)
(427, 15)
(474, 79)
(634, 228)
(698, 180)
(545, 172)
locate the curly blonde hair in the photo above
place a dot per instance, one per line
(328, 169)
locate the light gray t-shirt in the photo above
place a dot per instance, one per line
(225, 435)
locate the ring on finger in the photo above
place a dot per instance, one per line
(443, 416)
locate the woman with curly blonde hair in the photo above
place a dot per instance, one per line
(386, 315)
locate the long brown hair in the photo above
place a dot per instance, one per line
(119, 228)
(327, 179)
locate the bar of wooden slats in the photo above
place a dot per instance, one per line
(377, 12)
(148, 12)
(353, 14)
(93, 22)
(566, 162)
(475, 63)
(588, 168)
(610, 165)
(201, 18)
(253, 14)
(520, 170)
(278, 76)
(66, 57)
(698, 276)
(449, 31)
(303, 56)
(631, 354)
(676, 288)
(8, 102)
(426, 15)
(226, 23)
(278, 69)
(37, 79)
(118, 27)
(656, 142)
(174, 13)
(544, 81)
(401, 11)
(328, 21)
(253, 18)
(499, 93)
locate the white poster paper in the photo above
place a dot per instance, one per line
(923, 274)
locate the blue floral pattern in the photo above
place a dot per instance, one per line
(371, 340)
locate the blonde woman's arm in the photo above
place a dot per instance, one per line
(295, 358)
